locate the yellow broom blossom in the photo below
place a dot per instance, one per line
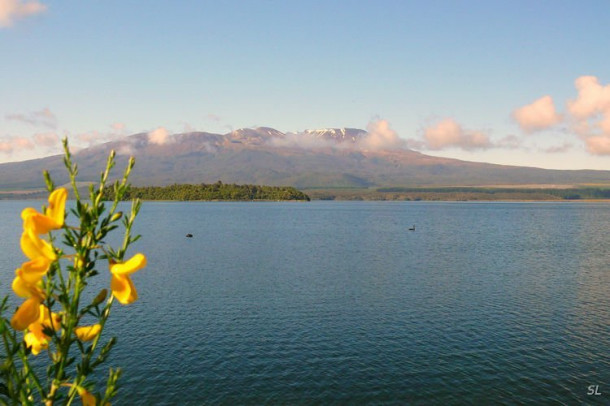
(28, 277)
(53, 217)
(36, 339)
(34, 247)
(121, 284)
(27, 313)
(87, 333)
(85, 396)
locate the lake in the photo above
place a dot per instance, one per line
(339, 303)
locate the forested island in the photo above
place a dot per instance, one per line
(214, 191)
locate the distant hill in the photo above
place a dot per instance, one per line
(336, 157)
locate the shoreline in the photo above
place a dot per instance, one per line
(584, 193)
(569, 201)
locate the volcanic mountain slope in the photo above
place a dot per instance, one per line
(313, 158)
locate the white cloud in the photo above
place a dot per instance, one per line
(598, 144)
(449, 134)
(509, 142)
(592, 99)
(381, 137)
(538, 115)
(8, 145)
(23, 143)
(126, 149)
(12, 10)
(118, 127)
(590, 113)
(300, 140)
(558, 149)
(413, 143)
(97, 137)
(47, 140)
(159, 136)
(74, 148)
(91, 137)
(42, 118)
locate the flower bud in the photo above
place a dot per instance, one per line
(100, 297)
(78, 262)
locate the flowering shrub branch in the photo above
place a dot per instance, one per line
(55, 318)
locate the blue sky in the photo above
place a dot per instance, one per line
(511, 82)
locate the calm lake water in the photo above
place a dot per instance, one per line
(339, 303)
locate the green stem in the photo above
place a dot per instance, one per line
(13, 372)
(30, 374)
(105, 315)
(66, 339)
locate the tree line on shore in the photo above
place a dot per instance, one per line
(537, 193)
(214, 191)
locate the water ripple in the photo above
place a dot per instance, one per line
(334, 303)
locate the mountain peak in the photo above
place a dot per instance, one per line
(258, 131)
(264, 155)
(256, 136)
(337, 134)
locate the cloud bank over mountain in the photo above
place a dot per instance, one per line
(379, 136)
(582, 125)
(448, 133)
(329, 157)
(159, 136)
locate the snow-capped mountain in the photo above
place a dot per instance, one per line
(330, 157)
(336, 134)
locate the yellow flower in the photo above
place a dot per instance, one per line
(24, 289)
(53, 217)
(29, 276)
(35, 344)
(85, 396)
(34, 247)
(57, 205)
(120, 283)
(33, 271)
(36, 339)
(27, 313)
(21, 287)
(87, 333)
